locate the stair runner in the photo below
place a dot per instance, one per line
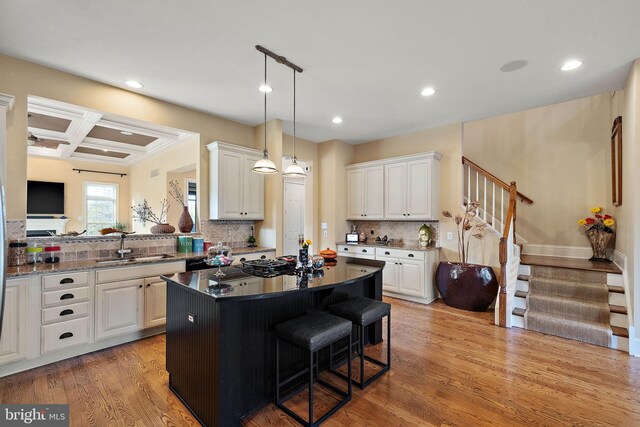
(569, 303)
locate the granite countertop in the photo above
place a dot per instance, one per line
(404, 246)
(86, 264)
(241, 285)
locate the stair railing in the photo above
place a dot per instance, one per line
(490, 191)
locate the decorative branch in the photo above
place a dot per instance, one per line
(142, 212)
(467, 226)
(176, 192)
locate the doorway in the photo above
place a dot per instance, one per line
(294, 195)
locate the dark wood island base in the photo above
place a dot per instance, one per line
(221, 346)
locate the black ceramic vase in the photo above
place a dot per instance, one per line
(467, 286)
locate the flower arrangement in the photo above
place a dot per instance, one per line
(468, 226)
(142, 212)
(599, 229)
(600, 222)
(305, 243)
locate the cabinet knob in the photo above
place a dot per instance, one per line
(140, 286)
(148, 285)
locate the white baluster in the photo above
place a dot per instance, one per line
(484, 205)
(493, 207)
(468, 183)
(477, 186)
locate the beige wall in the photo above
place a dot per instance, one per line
(57, 170)
(176, 208)
(154, 188)
(20, 79)
(333, 156)
(559, 157)
(447, 140)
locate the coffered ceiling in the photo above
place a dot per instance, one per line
(94, 136)
(366, 61)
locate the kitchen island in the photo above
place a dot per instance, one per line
(220, 332)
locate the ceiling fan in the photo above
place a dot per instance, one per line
(34, 141)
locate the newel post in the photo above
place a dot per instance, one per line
(502, 296)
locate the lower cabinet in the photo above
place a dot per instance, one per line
(13, 337)
(155, 302)
(119, 308)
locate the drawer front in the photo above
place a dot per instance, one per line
(400, 253)
(349, 250)
(65, 280)
(138, 272)
(65, 312)
(65, 334)
(64, 296)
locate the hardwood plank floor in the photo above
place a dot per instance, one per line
(449, 367)
(575, 263)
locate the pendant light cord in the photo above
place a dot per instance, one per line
(294, 115)
(265, 105)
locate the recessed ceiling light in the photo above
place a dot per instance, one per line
(571, 65)
(265, 88)
(105, 150)
(337, 120)
(428, 91)
(134, 84)
(124, 132)
(514, 65)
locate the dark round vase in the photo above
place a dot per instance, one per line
(185, 223)
(467, 286)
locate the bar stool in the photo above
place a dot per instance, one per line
(312, 332)
(363, 312)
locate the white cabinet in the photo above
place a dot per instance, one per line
(13, 338)
(119, 308)
(365, 193)
(155, 302)
(412, 189)
(235, 192)
(409, 273)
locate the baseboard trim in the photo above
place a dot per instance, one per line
(558, 251)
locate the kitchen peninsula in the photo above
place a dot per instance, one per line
(220, 338)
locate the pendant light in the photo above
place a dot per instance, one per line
(294, 170)
(264, 165)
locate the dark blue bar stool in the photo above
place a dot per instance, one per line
(312, 332)
(363, 312)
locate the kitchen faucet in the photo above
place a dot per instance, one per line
(122, 251)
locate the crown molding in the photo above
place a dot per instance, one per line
(7, 101)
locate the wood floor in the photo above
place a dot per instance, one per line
(575, 263)
(449, 367)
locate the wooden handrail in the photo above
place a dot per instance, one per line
(503, 255)
(494, 178)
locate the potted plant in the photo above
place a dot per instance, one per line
(142, 213)
(599, 230)
(185, 223)
(463, 285)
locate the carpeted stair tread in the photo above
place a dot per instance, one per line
(569, 274)
(518, 312)
(616, 289)
(581, 330)
(524, 277)
(572, 263)
(617, 309)
(575, 290)
(569, 308)
(620, 332)
(521, 294)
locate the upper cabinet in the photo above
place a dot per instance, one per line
(234, 191)
(365, 192)
(401, 188)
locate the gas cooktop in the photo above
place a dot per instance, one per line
(268, 267)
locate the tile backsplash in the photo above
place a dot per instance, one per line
(398, 231)
(231, 233)
(16, 229)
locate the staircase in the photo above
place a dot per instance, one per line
(572, 298)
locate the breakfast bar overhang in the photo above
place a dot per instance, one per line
(220, 331)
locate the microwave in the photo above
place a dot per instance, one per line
(352, 238)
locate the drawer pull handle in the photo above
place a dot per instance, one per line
(346, 249)
(66, 335)
(66, 280)
(410, 255)
(66, 312)
(243, 259)
(263, 257)
(364, 251)
(387, 253)
(66, 296)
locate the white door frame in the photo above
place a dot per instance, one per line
(300, 182)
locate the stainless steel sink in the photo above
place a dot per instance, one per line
(134, 259)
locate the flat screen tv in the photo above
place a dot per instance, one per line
(45, 198)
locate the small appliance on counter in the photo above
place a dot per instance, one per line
(352, 237)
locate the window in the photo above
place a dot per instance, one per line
(192, 201)
(100, 205)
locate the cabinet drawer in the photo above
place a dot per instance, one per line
(56, 281)
(65, 334)
(400, 253)
(64, 296)
(65, 312)
(138, 272)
